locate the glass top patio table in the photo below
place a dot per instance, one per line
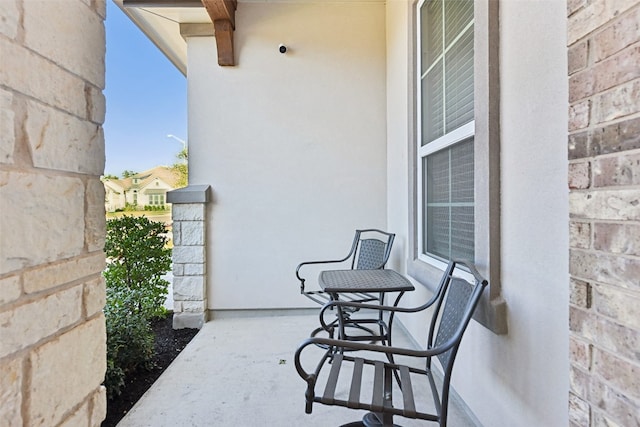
(381, 280)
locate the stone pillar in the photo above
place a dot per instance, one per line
(52, 226)
(189, 207)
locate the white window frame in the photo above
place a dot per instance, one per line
(445, 141)
(492, 310)
(460, 134)
(156, 199)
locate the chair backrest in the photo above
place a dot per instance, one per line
(457, 300)
(371, 249)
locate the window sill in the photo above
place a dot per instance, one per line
(492, 310)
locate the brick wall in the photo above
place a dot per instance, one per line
(52, 333)
(604, 182)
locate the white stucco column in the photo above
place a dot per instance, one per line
(188, 213)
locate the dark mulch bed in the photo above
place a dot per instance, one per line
(169, 343)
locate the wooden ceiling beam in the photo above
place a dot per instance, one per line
(223, 16)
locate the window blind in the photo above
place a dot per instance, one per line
(449, 202)
(446, 67)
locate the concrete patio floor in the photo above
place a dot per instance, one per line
(239, 371)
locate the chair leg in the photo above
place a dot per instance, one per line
(373, 420)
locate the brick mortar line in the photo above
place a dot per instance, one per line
(20, 32)
(604, 414)
(576, 366)
(27, 369)
(619, 289)
(602, 125)
(606, 156)
(591, 66)
(614, 54)
(33, 170)
(593, 406)
(580, 338)
(595, 95)
(24, 271)
(616, 222)
(23, 45)
(71, 411)
(598, 125)
(26, 299)
(26, 351)
(600, 252)
(29, 269)
(592, 190)
(594, 68)
(588, 341)
(55, 107)
(617, 356)
(601, 27)
(592, 281)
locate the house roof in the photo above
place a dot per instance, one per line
(163, 173)
(167, 23)
(114, 184)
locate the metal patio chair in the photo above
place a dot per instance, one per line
(370, 250)
(366, 381)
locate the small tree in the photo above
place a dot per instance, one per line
(181, 168)
(136, 260)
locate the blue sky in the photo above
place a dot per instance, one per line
(146, 100)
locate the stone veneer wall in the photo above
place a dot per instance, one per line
(189, 213)
(52, 221)
(604, 179)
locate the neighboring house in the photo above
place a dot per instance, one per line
(143, 189)
(448, 124)
(114, 194)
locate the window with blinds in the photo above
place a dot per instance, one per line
(448, 215)
(446, 130)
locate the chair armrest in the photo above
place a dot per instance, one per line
(330, 344)
(383, 308)
(359, 305)
(333, 261)
(436, 296)
(302, 264)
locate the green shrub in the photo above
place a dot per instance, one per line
(137, 258)
(130, 341)
(155, 208)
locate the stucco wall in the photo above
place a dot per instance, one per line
(52, 227)
(518, 379)
(293, 145)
